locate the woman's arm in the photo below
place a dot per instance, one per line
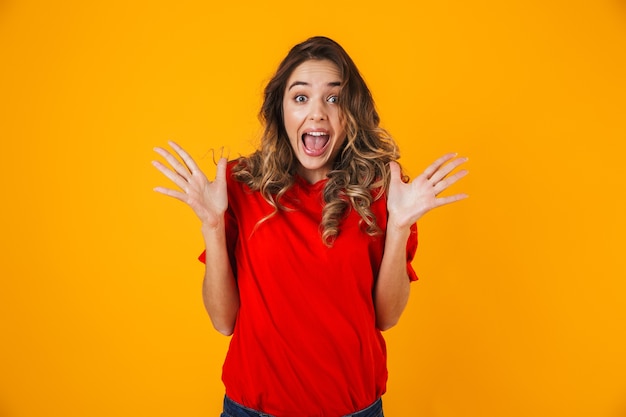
(391, 293)
(209, 201)
(406, 203)
(219, 288)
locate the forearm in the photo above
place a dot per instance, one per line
(219, 288)
(406, 204)
(391, 293)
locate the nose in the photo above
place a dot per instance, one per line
(318, 110)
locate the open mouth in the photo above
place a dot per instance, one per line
(315, 142)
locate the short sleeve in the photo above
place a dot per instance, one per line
(411, 249)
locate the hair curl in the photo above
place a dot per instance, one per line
(360, 172)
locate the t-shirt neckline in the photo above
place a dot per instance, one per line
(310, 187)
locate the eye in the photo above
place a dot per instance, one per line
(333, 99)
(300, 99)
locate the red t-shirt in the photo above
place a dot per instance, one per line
(305, 341)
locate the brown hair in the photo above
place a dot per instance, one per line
(360, 172)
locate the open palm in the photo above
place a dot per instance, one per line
(407, 202)
(208, 199)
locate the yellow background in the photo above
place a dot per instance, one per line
(521, 306)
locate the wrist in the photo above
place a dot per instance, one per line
(212, 227)
(396, 230)
(397, 224)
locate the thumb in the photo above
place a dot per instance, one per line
(394, 170)
(220, 174)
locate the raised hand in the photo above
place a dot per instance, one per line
(208, 199)
(407, 202)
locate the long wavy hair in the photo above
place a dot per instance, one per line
(360, 172)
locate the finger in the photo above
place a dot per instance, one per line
(172, 193)
(432, 168)
(450, 199)
(179, 168)
(172, 176)
(395, 171)
(445, 183)
(191, 164)
(220, 174)
(446, 169)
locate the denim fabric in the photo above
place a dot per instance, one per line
(232, 409)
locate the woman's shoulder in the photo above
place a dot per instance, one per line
(240, 179)
(236, 169)
(235, 162)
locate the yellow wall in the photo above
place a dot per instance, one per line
(521, 306)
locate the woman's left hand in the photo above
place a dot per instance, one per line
(408, 202)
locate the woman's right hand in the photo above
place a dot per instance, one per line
(208, 199)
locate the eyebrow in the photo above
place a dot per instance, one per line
(296, 83)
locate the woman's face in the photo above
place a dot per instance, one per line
(312, 117)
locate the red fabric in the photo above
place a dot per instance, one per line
(305, 338)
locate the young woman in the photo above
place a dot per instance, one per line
(309, 242)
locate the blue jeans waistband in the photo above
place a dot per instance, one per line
(233, 409)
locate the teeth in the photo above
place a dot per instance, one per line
(317, 134)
